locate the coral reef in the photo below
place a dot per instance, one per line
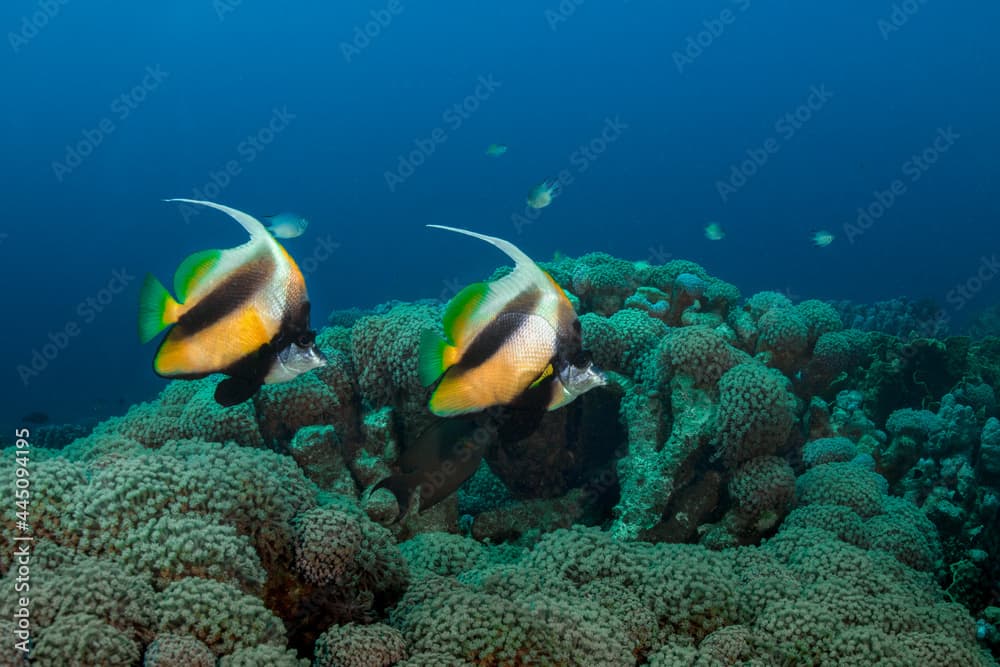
(762, 482)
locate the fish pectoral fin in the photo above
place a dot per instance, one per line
(193, 270)
(157, 309)
(233, 391)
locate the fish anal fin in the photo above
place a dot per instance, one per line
(233, 391)
(193, 271)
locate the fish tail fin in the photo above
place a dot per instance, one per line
(157, 309)
(253, 226)
(436, 356)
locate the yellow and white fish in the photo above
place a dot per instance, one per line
(542, 194)
(243, 312)
(512, 342)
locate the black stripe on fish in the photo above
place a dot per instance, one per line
(500, 330)
(240, 287)
(247, 375)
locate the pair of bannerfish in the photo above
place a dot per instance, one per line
(512, 348)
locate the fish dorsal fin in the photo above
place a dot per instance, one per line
(474, 310)
(195, 274)
(249, 223)
(193, 271)
(462, 308)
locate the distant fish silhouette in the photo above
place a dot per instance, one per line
(35, 418)
(449, 451)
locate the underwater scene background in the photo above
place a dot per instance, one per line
(778, 228)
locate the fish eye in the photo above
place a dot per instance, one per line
(306, 339)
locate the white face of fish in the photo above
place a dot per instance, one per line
(293, 361)
(578, 380)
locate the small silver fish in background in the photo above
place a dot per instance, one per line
(822, 238)
(714, 232)
(286, 225)
(496, 150)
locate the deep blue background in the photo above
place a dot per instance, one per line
(651, 192)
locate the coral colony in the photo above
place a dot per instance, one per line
(757, 484)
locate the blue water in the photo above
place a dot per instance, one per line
(200, 79)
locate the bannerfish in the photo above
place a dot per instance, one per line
(505, 338)
(286, 225)
(243, 312)
(496, 150)
(543, 194)
(714, 232)
(512, 352)
(822, 238)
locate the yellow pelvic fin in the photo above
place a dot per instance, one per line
(549, 370)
